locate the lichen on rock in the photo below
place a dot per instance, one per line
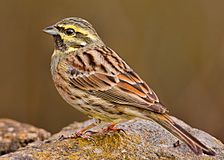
(142, 140)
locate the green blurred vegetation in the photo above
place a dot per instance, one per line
(175, 46)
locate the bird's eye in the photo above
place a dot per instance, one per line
(69, 31)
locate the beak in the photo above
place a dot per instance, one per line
(51, 30)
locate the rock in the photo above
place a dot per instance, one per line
(14, 135)
(144, 140)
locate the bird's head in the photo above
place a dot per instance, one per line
(72, 33)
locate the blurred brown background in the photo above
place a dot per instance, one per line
(175, 46)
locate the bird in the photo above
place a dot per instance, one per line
(95, 80)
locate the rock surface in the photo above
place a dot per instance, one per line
(143, 140)
(14, 135)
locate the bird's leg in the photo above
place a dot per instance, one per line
(83, 131)
(111, 128)
(86, 129)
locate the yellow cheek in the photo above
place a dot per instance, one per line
(66, 38)
(73, 39)
(71, 49)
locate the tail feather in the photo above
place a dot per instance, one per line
(194, 144)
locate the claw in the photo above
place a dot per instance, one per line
(121, 130)
(62, 137)
(86, 135)
(112, 128)
(79, 133)
(91, 132)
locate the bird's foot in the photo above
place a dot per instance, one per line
(83, 134)
(86, 133)
(110, 129)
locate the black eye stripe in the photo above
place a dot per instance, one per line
(61, 29)
(80, 33)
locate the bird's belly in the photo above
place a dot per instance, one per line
(89, 104)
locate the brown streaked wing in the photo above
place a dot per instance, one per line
(124, 87)
(119, 93)
(131, 83)
(93, 82)
(139, 86)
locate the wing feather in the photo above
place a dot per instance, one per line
(123, 87)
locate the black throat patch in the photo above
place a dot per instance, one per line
(60, 45)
